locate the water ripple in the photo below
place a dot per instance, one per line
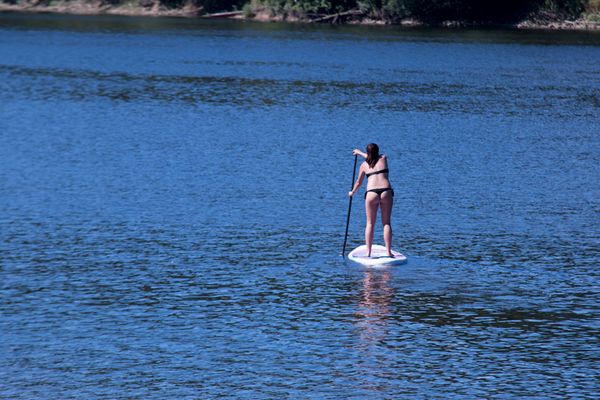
(400, 96)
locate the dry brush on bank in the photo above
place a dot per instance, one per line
(429, 12)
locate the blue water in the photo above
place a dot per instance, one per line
(173, 203)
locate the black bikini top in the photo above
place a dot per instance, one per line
(381, 171)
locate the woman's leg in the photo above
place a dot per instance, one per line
(387, 200)
(371, 205)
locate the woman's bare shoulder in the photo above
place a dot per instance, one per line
(384, 161)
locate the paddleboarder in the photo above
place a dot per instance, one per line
(379, 194)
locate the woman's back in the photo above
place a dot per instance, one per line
(378, 175)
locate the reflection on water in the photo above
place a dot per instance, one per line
(372, 315)
(374, 311)
(172, 203)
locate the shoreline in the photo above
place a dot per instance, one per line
(346, 18)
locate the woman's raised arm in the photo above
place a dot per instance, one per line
(357, 152)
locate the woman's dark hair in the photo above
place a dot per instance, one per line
(372, 154)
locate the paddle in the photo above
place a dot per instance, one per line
(349, 206)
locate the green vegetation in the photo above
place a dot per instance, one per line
(389, 11)
(432, 11)
(592, 12)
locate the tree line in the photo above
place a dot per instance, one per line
(391, 10)
(428, 11)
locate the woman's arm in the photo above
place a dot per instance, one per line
(357, 152)
(359, 181)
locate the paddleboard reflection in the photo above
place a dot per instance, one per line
(374, 307)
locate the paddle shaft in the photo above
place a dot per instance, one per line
(349, 206)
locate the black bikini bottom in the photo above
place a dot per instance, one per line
(379, 191)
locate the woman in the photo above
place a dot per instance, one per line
(379, 194)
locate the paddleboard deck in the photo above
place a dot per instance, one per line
(378, 256)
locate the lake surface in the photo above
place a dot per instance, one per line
(173, 204)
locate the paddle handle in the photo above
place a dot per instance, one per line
(349, 206)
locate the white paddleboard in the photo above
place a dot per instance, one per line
(378, 257)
